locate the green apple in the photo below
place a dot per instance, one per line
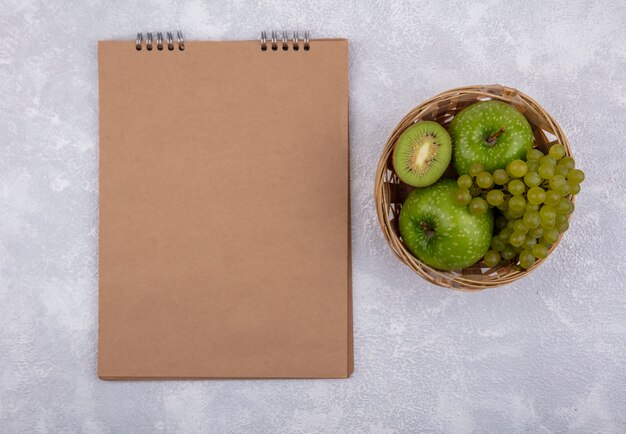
(440, 232)
(492, 133)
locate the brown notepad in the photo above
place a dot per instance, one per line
(224, 210)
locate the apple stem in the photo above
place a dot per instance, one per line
(426, 228)
(491, 140)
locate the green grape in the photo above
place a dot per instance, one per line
(560, 218)
(571, 183)
(526, 259)
(547, 212)
(478, 205)
(500, 223)
(551, 235)
(517, 239)
(532, 219)
(519, 226)
(547, 224)
(511, 223)
(536, 232)
(529, 243)
(516, 214)
(495, 197)
(464, 181)
(508, 253)
(557, 151)
(546, 171)
(516, 187)
(484, 180)
(505, 234)
(517, 168)
(504, 206)
(500, 177)
(534, 154)
(492, 258)
(562, 227)
(564, 206)
(564, 191)
(575, 189)
(576, 176)
(567, 162)
(497, 244)
(536, 195)
(517, 203)
(543, 241)
(557, 182)
(540, 251)
(475, 169)
(552, 197)
(462, 196)
(532, 179)
(561, 170)
(533, 165)
(547, 160)
(531, 207)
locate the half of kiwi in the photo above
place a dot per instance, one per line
(422, 153)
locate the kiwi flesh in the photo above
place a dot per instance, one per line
(422, 153)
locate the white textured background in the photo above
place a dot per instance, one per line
(546, 354)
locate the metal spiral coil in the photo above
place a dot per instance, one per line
(284, 41)
(150, 42)
(295, 42)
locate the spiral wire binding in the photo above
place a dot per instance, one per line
(169, 40)
(307, 41)
(181, 40)
(295, 41)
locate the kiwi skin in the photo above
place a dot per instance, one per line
(422, 153)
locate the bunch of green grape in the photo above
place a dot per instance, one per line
(532, 201)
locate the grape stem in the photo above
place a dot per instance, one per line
(491, 140)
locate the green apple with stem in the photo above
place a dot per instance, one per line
(442, 233)
(492, 133)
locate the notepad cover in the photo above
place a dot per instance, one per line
(224, 236)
